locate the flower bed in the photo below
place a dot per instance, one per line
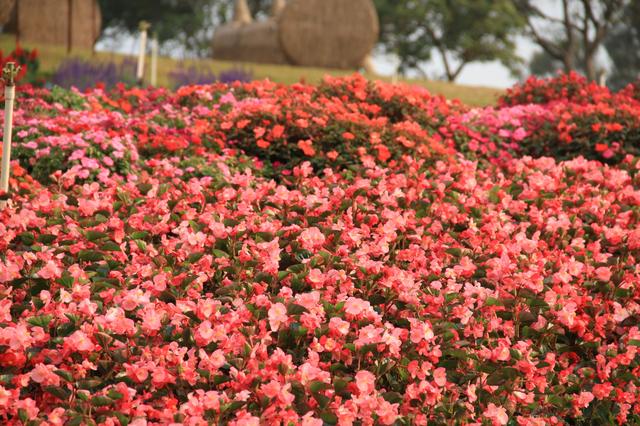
(352, 253)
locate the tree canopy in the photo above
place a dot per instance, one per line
(457, 31)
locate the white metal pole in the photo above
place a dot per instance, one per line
(154, 61)
(9, 73)
(144, 26)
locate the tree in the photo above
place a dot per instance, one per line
(623, 47)
(575, 37)
(458, 31)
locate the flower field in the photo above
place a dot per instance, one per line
(351, 253)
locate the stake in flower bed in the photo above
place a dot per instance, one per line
(154, 60)
(9, 74)
(144, 27)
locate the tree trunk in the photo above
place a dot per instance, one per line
(590, 67)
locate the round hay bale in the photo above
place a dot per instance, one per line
(47, 22)
(7, 8)
(328, 33)
(254, 42)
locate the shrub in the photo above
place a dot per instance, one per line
(571, 87)
(201, 75)
(84, 74)
(406, 281)
(28, 61)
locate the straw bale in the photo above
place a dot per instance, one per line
(277, 6)
(47, 22)
(255, 42)
(328, 33)
(323, 33)
(6, 11)
(241, 12)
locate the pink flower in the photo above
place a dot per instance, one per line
(152, 320)
(44, 375)
(274, 389)
(78, 342)
(602, 390)
(339, 326)
(277, 316)
(420, 330)
(5, 397)
(311, 239)
(387, 412)
(440, 376)
(498, 415)
(365, 382)
(603, 273)
(50, 271)
(354, 306)
(204, 333)
(8, 271)
(583, 399)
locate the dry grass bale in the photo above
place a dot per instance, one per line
(6, 11)
(328, 33)
(255, 42)
(277, 6)
(241, 13)
(72, 23)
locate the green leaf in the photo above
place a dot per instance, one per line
(318, 386)
(232, 407)
(124, 420)
(634, 342)
(329, 418)
(101, 401)
(114, 394)
(501, 376)
(323, 400)
(66, 280)
(144, 188)
(295, 309)
(493, 194)
(490, 301)
(59, 392)
(454, 251)
(392, 397)
(41, 321)
(65, 375)
(219, 253)
(27, 238)
(139, 235)
(110, 246)
(95, 235)
(194, 257)
(90, 255)
(46, 238)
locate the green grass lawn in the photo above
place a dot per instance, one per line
(52, 56)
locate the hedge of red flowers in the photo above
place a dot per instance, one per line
(353, 253)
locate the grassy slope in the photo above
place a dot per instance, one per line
(51, 56)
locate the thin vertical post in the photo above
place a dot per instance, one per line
(154, 60)
(8, 74)
(144, 26)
